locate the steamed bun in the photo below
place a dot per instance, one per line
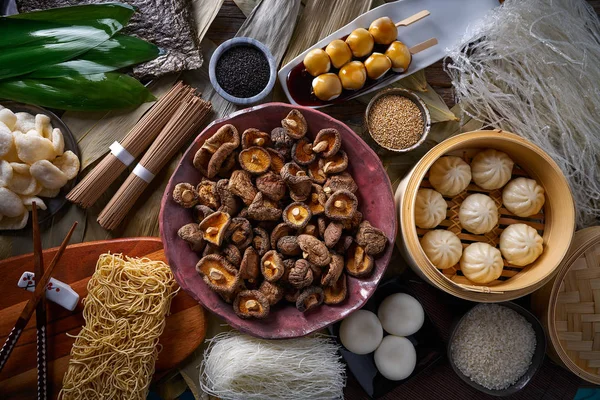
(450, 175)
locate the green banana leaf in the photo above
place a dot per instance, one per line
(99, 92)
(118, 52)
(110, 16)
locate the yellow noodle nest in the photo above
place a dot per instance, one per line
(114, 354)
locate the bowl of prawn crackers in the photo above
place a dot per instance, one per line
(39, 162)
(279, 219)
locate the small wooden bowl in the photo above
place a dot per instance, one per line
(568, 308)
(375, 200)
(556, 224)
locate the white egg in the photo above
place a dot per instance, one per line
(395, 358)
(361, 332)
(401, 314)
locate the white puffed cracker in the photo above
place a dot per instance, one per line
(6, 173)
(22, 182)
(48, 175)
(25, 122)
(11, 204)
(58, 141)
(8, 118)
(49, 193)
(42, 125)
(28, 202)
(68, 163)
(6, 139)
(14, 223)
(31, 148)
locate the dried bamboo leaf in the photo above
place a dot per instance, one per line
(438, 109)
(321, 18)
(415, 82)
(95, 132)
(204, 12)
(246, 6)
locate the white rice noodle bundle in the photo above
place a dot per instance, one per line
(237, 366)
(532, 67)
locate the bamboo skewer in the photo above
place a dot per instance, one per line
(423, 46)
(40, 289)
(413, 18)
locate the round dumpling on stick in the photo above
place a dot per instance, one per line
(481, 263)
(68, 163)
(11, 204)
(478, 213)
(491, 169)
(450, 175)
(32, 148)
(523, 197)
(442, 247)
(520, 244)
(430, 208)
(48, 175)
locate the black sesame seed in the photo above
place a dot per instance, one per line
(243, 71)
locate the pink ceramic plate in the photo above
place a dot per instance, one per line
(376, 203)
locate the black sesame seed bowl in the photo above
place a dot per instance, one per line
(243, 71)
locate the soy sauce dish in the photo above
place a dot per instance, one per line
(382, 353)
(242, 70)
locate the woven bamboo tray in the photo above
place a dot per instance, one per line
(556, 224)
(569, 307)
(492, 238)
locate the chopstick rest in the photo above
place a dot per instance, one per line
(56, 291)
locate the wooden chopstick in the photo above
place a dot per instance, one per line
(40, 287)
(40, 310)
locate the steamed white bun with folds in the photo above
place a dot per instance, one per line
(491, 169)
(450, 175)
(523, 197)
(430, 208)
(442, 247)
(478, 214)
(520, 244)
(481, 263)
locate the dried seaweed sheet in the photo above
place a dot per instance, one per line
(167, 23)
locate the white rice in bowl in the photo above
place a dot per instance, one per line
(493, 346)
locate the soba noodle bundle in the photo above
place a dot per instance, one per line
(114, 354)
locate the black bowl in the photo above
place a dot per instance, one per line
(56, 203)
(536, 361)
(427, 341)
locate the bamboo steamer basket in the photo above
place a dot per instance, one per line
(556, 222)
(569, 308)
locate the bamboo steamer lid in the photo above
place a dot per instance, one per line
(569, 307)
(556, 224)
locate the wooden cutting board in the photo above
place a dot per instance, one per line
(184, 330)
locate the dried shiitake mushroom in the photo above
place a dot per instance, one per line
(297, 181)
(211, 249)
(314, 250)
(255, 160)
(229, 202)
(288, 246)
(301, 274)
(278, 232)
(358, 263)
(264, 209)
(261, 241)
(332, 234)
(207, 194)
(344, 244)
(271, 185)
(254, 137)
(292, 295)
(250, 265)
(228, 165)
(334, 270)
(232, 254)
(214, 227)
(295, 124)
(241, 185)
(271, 266)
(341, 205)
(288, 264)
(317, 199)
(243, 213)
(277, 160)
(201, 212)
(343, 181)
(309, 299)
(251, 304)
(185, 195)
(334, 164)
(372, 239)
(272, 291)
(311, 229)
(240, 233)
(211, 156)
(192, 234)
(297, 215)
(302, 152)
(327, 142)
(336, 293)
(218, 273)
(354, 222)
(282, 142)
(316, 173)
(322, 223)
